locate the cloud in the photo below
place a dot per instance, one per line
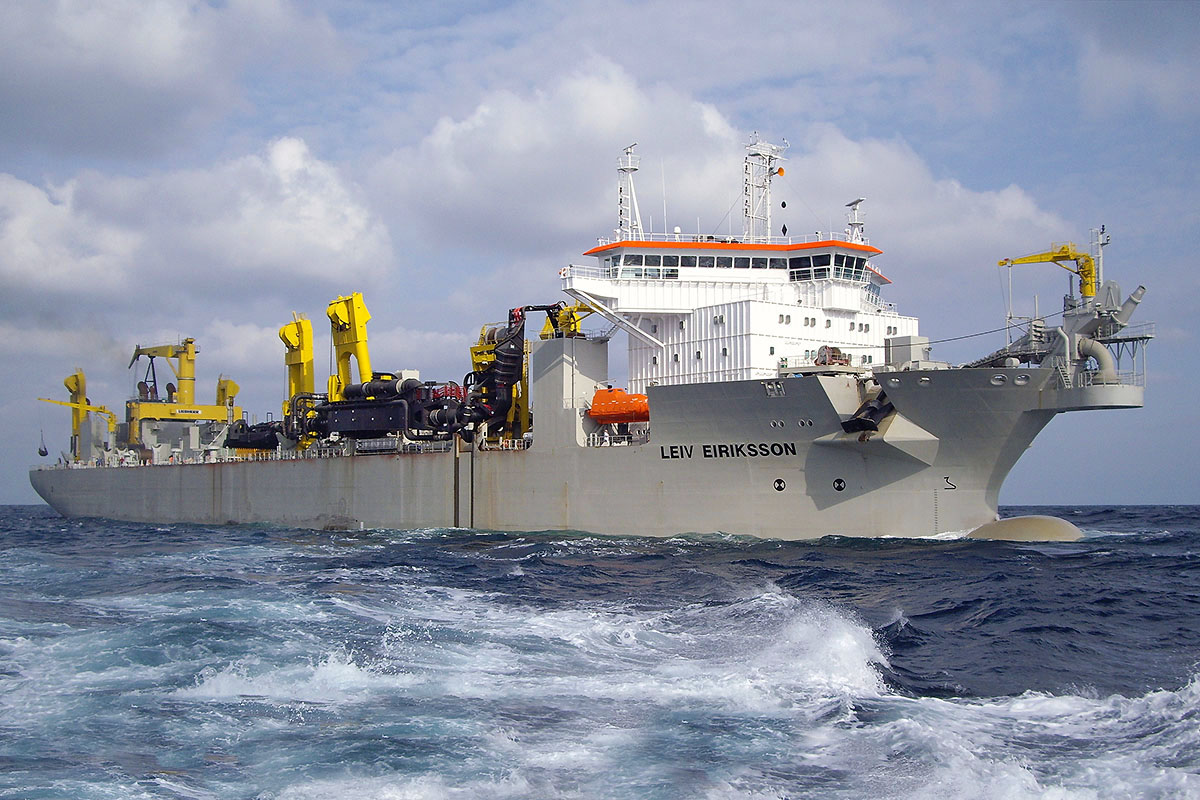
(128, 78)
(47, 243)
(274, 224)
(1137, 55)
(534, 172)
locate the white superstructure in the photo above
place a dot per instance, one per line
(702, 308)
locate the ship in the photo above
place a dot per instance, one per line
(772, 392)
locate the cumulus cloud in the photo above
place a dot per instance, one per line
(122, 77)
(251, 227)
(48, 243)
(528, 181)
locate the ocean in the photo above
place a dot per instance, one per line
(187, 661)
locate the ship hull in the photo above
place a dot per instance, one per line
(760, 458)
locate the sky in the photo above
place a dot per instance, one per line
(172, 168)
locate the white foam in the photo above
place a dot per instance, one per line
(1031, 746)
(336, 678)
(421, 787)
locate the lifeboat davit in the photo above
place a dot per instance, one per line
(616, 405)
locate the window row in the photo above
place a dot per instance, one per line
(812, 354)
(675, 356)
(844, 265)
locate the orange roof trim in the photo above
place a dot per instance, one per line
(740, 246)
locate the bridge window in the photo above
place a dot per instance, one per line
(800, 261)
(632, 259)
(724, 262)
(758, 263)
(687, 261)
(670, 261)
(653, 261)
(706, 261)
(671, 273)
(821, 260)
(741, 262)
(821, 273)
(777, 263)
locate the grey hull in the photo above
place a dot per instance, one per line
(761, 458)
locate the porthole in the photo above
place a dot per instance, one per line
(924, 380)
(893, 381)
(1021, 380)
(999, 380)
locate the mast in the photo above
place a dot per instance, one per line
(854, 225)
(629, 226)
(1100, 239)
(757, 172)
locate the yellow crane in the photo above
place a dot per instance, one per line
(348, 317)
(76, 384)
(297, 338)
(1085, 265)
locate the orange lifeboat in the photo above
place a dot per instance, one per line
(616, 405)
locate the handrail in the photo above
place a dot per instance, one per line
(818, 236)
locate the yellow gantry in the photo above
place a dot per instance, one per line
(348, 317)
(181, 358)
(1085, 265)
(181, 406)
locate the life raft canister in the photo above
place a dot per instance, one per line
(616, 405)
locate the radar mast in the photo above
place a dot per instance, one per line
(757, 172)
(629, 226)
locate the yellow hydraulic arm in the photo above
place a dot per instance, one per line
(1085, 265)
(227, 390)
(297, 338)
(567, 323)
(76, 384)
(348, 320)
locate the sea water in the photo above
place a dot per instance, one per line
(187, 661)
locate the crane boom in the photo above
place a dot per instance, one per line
(1085, 265)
